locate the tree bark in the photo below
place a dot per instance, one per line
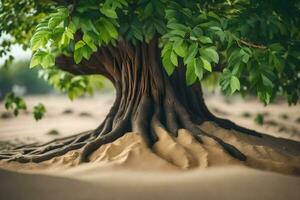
(146, 97)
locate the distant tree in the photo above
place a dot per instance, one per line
(155, 52)
(19, 74)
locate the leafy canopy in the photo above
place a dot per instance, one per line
(253, 46)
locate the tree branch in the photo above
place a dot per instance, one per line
(253, 45)
(90, 67)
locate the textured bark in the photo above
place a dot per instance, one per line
(146, 97)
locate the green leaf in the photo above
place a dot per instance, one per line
(236, 69)
(14, 103)
(35, 60)
(278, 63)
(264, 93)
(69, 32)
(137, 32)
(167, 63)
(215, 28)
(180, 48)
(210, 54)
(57, 34)
(160, 27)
(245, 55)
(148, 10)
(245, 58)
(66, 36)
(173, 58)
(110, 28)
(266, 81)
(198, 68)
(79, 44)
(178, 33)
(213, 15)
(196, 32)
(205, 40)
(235, 57)
(192, 51)
(21, 104)
(89, 41)
(149, 32)
(176, 26)
(259, 119)
(277, 47)
(190, 75)
(48, 60)
(167, 47)
(234, 84)
(206, 64)
(72, 27)
(39, 111)
(86, 52)
(109, 12)
(193, 38)
(55, 21)
(39, 39)
(77, 56)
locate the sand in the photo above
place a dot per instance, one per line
(226, 183)
(175, 168)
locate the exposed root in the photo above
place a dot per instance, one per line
(146, 97)
(197, 132)
(227, 124)
(90, 143)
(107, 138)
(42, 152)
(46, 156)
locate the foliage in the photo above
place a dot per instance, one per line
(259, 119)
(14, 103)
(257, 42)
(73, 86)
(18, 19)
(254, 45)
(39, 111)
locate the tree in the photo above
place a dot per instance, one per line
(155, 52)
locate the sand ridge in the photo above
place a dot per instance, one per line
(177, 154)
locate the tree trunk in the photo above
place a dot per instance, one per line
(146, 98)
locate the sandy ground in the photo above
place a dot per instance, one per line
(63, 116)
(127, 169)
(67, 117)
(280, 119)
(219, 183)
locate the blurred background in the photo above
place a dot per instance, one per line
(65, 117)
(18, 78)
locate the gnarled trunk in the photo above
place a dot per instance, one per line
(146, 98)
